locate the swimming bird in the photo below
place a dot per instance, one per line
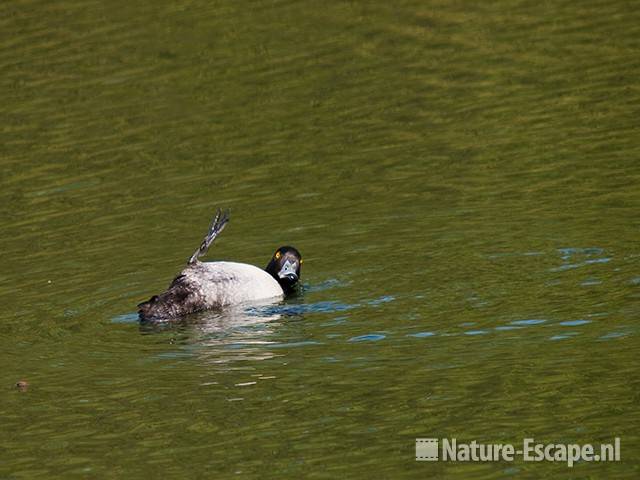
(213, 285)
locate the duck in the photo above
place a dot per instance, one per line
(204, 286)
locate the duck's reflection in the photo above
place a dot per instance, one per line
(230, 335)
(255, 331)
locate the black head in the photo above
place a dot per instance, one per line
(285, 267)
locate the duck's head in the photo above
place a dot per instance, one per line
(285, 267)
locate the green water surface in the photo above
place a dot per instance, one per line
(462, 179)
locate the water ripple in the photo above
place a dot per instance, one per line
(574, 323)
(533, 321)
(422, 334)
(371, 337)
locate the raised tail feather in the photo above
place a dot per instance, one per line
(217, 225)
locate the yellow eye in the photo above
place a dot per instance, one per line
(278, 255)
(301, 261)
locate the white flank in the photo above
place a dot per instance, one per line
(230, 283)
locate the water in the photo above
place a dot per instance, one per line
(462, 180)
